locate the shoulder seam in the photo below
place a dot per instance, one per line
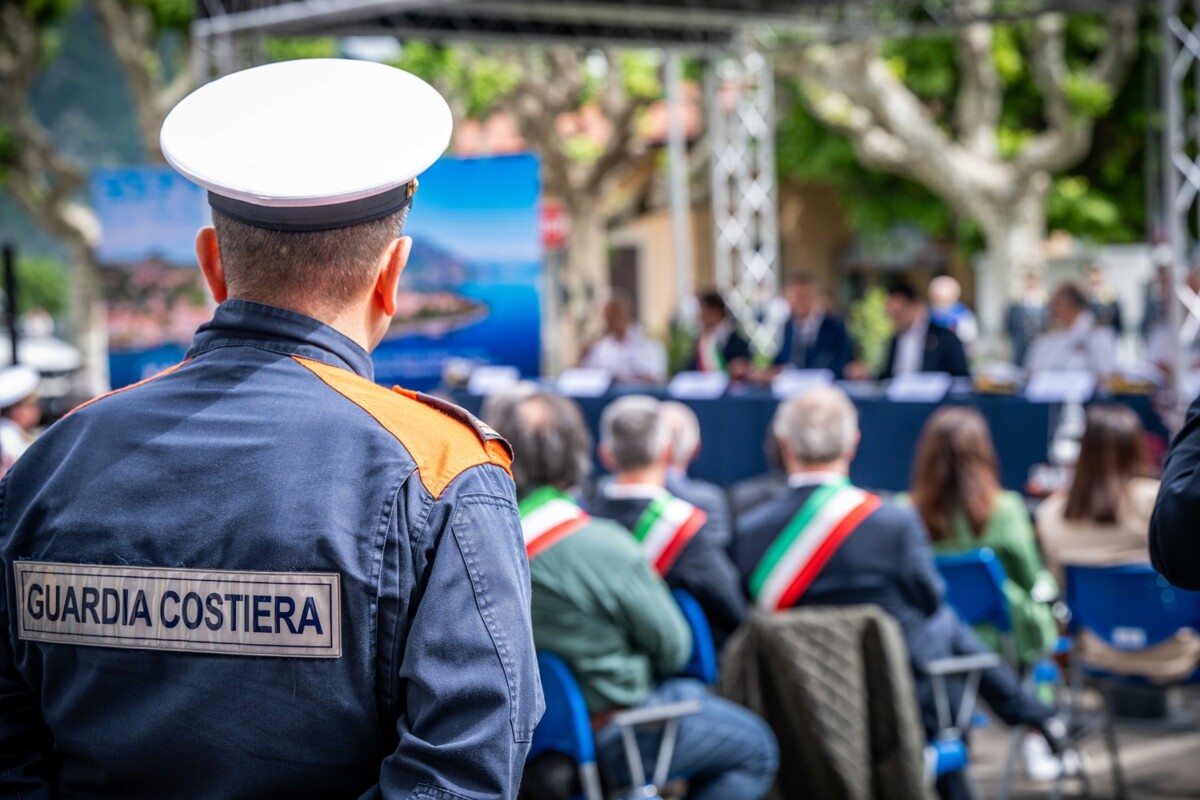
(124, 389)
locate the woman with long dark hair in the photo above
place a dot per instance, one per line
(1104, 520)
(956, 490)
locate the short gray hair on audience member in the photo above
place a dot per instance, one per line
(493, 405)
(819, 426)
(684, 430)
(633, 432)
(551, 442)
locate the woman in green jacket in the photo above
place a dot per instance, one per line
(956, 490)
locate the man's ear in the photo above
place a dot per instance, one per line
(606, 459)
(208, 255)
(391, 265)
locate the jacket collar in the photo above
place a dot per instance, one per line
(242, 322)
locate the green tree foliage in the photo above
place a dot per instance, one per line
(42, 283)
(1103, 199)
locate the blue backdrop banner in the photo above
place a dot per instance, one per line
(471, 287)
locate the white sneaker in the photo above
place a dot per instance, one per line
(1040, 764)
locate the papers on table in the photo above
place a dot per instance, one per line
(698, 385)
(919, 387)
(795, 382)
(1061, 386)
(584, 382)
(489, 380)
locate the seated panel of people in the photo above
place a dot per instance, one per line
(1076, 341)
(956, 491)
(676, 537)
(919, 344)
(1103, 519)
(600, 606)
(624, 351)
(826, 542)
(719, 348)
(813, 337)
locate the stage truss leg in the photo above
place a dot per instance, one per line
(740, 97)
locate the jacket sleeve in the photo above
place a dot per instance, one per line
(1174, 535)
(889, 365)
(705, 570)
(651, 617)
(25, 741)
(919, 577)
(783, 355)
(468, 676)
(845, 351)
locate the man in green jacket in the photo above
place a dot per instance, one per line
(599, 605)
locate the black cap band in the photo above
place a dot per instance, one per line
(304, 219)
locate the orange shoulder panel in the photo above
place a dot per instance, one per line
(142, 382)
(442, 446)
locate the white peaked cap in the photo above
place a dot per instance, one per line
(17, 383)
(308, 145)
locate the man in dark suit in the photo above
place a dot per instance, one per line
(719, 348)
(919, 345)
(674, 535)
(825, 542)
(812, 338)
(684, 431)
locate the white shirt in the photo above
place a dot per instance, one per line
(632, 358)
(1084, 346)
(910, 348)
(798, 479)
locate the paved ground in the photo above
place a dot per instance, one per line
(1161, 759)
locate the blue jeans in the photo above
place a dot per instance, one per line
(724, 751)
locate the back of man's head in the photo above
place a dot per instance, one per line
(551, 443)
(684, 430)
(818, 427)
(632, 433)
(310, 271)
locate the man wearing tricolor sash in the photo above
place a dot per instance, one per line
(826, 542)
(675, 536)
(598, 604)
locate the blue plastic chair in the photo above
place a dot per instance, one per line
(703, 662)
(1130, 608)
(566, 727)
(975, 589)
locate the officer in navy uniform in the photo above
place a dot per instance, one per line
(260, 574)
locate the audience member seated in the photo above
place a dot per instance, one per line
(675, 537)
(719, 348)
(684, 431)
(828, 543)
(599, 606)
(813, 338)
(1075, 342)
(1104, 520)
(947, 309)
(919, 344)
(749, 493)
(19, 412)
(624, 351)
(956, 491)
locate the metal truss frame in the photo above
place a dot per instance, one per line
(740, 96)
(1181, 177)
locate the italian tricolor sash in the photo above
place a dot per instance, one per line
(795, 559)
(665, 528)
(548, 516)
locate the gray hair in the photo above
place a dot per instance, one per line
(684, 430)
(819, 426)
(633, 432)
(551, 442)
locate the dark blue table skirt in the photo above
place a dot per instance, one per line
(734, 431)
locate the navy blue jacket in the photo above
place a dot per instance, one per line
(1174, 534)
(270, 450)
(831, 349)
(887, 562)
(943, 353)
(703, 567)
(709, 498)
